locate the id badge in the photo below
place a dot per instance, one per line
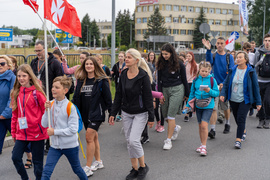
(118, 80)
(38, 76)
(23, 123)
(235, 88)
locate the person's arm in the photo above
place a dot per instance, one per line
(215, 91)
(7, 113)
(231, 62)
(106, 93)
(72, 127)
(184, 78)
(14, 121)
(148, 98)
(41, 101)
(58, 69)
(256, 88)
(225, 88)
(107, 71)
(76, 95)
(192, 93)
(117, 99)
(69, 70)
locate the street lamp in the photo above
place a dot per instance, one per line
(130, 34)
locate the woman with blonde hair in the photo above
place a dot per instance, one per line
(103, 66)
(92, 97)
(7, 79)
(134, 97)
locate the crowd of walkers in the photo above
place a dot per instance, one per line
(147, 86)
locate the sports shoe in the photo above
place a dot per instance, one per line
(145, 139)
(203, 151)
(118, 118)
(167, 145)
(199, 149)
(160, 129)
(237, 144)
(212, 134)
(186, 119)
(220, 120)
(190, 114)
(251, 111)
(142, 172)
(157, 125)
(266, 124)
(176, 132)
(88, 171)
(132, 175)
(244, 137)
(261, 124)
(97, 165)
(227, 129)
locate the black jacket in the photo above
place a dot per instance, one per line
(54, 70)
(116, 73)
(142, 93)
(101, 99)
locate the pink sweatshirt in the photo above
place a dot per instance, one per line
(69, 70)
(190, 77)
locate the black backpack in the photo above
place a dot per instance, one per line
(264, 67)
(227, 60)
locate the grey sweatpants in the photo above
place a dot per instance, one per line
(134, 125)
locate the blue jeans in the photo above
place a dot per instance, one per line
(5, 124)
(37, 149)
(203, 115)
(72, 155)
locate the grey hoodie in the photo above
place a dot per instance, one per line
(258, 53)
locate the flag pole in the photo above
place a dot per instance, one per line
(45, 27)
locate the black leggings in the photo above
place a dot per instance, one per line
(157, 113)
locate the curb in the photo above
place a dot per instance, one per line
(8, 142)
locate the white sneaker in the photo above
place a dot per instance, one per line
(167, 145)
(176, 132)
(88, 171)
(96, 165)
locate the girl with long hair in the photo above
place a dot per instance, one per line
(134, 97)
(172, 82)
(92, 97)
(28, 106)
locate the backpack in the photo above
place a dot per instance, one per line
(264, 67)
(78, 112)
(227, 60)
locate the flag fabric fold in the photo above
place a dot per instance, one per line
(64, 15)
(230, 43)
(34, 2)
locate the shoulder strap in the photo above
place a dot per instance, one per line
(214, 57)
(212, 82)
(52, 103)
(69, 108)
(35, 96)
(228, 61)
(100, 84)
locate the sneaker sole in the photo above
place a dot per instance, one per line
(174, 138)
(167, 148)
(97, 168)
(145, 141)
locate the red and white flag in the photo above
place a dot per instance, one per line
(63, 15)
(230, 43)
(34, 2)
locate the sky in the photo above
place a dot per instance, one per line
(15, 13)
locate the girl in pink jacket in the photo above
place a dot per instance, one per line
(28, 106)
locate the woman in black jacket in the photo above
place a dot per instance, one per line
(92, 97)
(134, 97)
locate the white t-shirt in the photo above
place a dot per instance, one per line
(251, 57)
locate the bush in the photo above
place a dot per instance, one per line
(123, 48)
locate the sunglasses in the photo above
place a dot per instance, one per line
(37, 51)
(2, 63)
(248, 49)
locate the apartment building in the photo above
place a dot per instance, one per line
(180, 17)
(105, 28)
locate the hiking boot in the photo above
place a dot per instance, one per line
(237, 144)
(176, 132)
(145, 139)
(261, 124)
(132, 175)
(186, 119)
(227, 129)
(142, 172)
(266, 124)
(212, 134)
(251, 112)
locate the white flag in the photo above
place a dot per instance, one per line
(230, 43)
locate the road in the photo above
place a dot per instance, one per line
(181, 162)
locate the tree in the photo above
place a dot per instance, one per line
(95, 33)
(86, 26)
(256, 16)
(198, 36)
(109, 39)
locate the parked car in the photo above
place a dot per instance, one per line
(82, 48)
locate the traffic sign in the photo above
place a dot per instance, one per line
(67, 38)
(204, 28)
(213, 42)
(236, 34)
(6, 34)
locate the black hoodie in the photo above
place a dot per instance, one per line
(139, 97)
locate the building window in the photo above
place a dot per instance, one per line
(211, 21)
(230, 11)
(144, 8)
(235, 23)
(229, 33)
(183, 20)
(223, 34)
(168, 7)
(190, 9)
(139, 31)
(176, 20)
(144, 20)
(150, 8)
(230, 22)
(176, 8)
(183, 32)
(183, 8)
(168, 31)
(217, 22)
(176, 31)
(211, 10)
(139, 20)
(190, 21)
(144, 31)
(168, 19)
(224, 22)
(224, 11)
(190, 32)
(218, 33)
(217, 11)
(197, 9)
(156, 6)
(139, 9)
(205, 10)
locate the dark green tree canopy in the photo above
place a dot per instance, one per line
(93, 31)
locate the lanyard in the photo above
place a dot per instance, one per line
(24, 104)
(39, 68)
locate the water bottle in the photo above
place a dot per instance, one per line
(185, 111)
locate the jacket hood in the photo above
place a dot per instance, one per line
(263, 50)
(8, 74)
(207, 77)
(25, 89)
(250, 68)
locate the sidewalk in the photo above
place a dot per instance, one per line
(8, 142)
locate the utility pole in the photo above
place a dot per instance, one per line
(120, 39)
(130, 34)
(113, 34)
(87, 36)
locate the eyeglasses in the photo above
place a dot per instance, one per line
(37, 51)
(2, 63)
(249, 49)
